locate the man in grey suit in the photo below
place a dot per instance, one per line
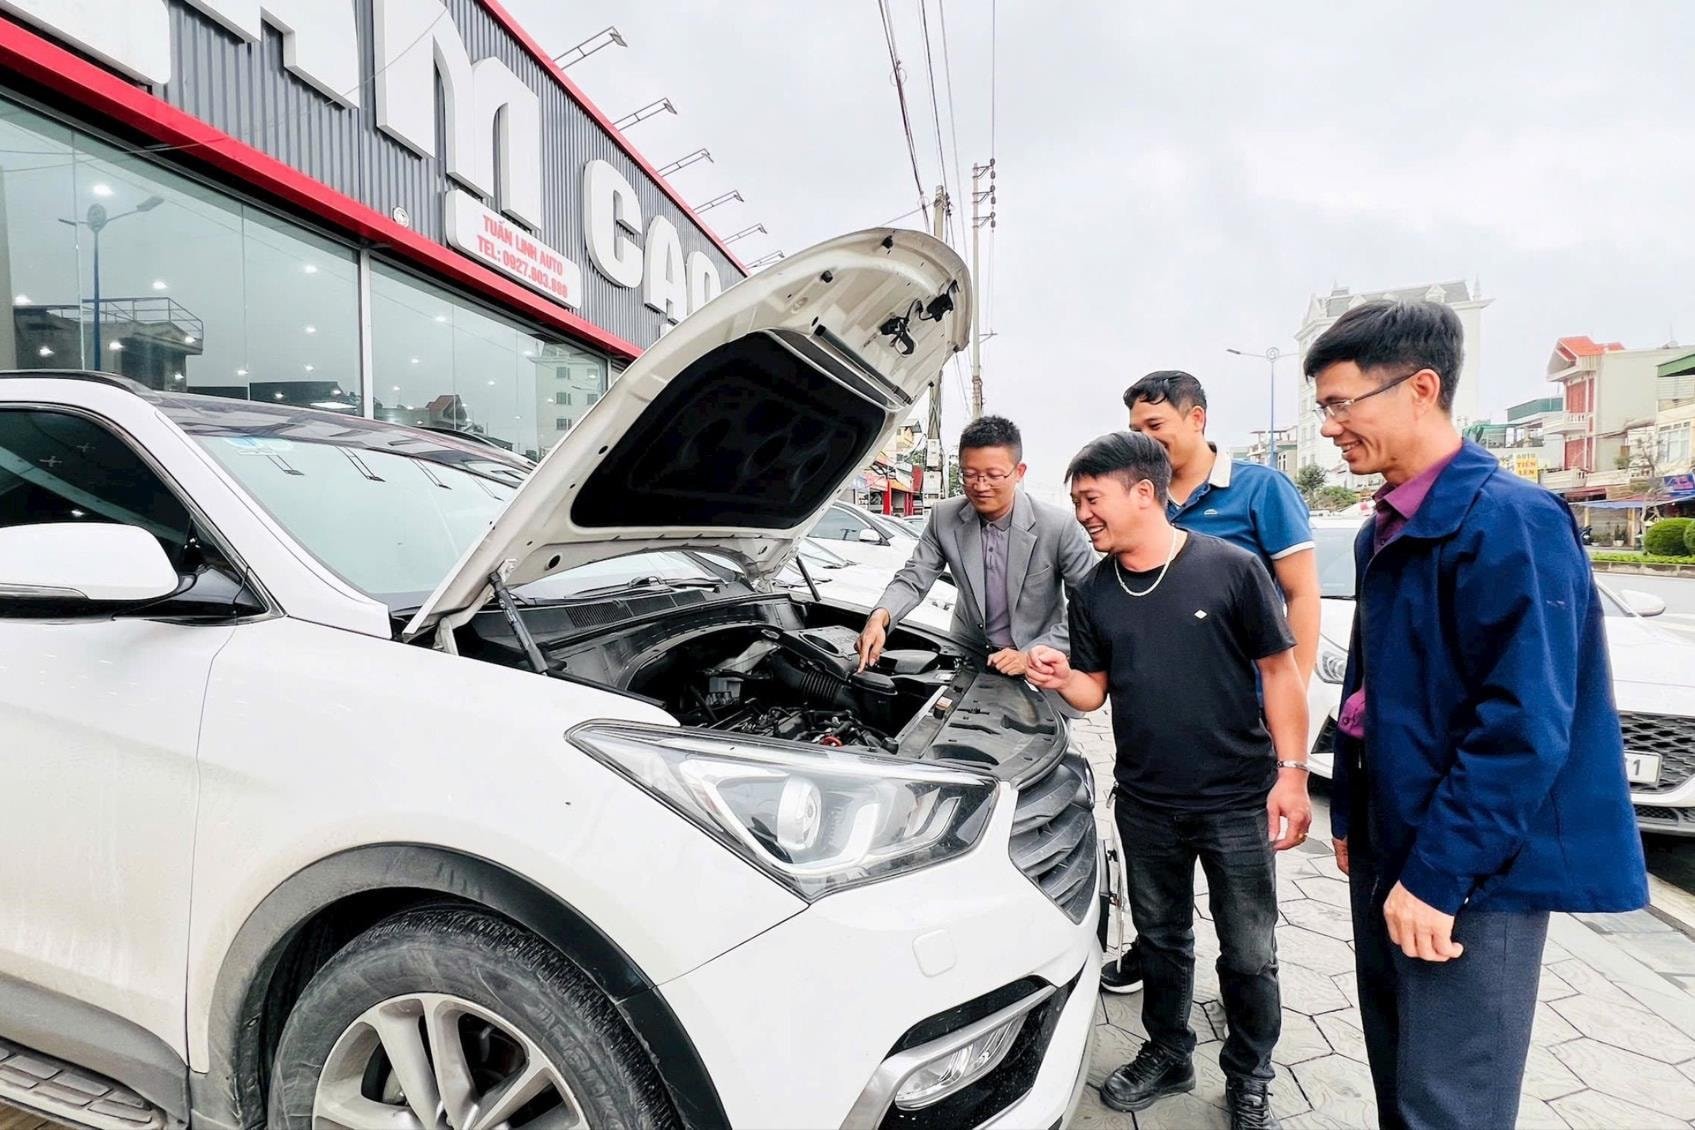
(1011, 558)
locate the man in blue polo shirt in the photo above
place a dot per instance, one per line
(1248, 504)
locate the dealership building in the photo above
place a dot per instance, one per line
(399, 209)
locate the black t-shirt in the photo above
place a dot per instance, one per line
(1186, 714)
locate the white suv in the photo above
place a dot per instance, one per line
(357, 776)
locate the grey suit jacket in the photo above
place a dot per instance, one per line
(1046, 551)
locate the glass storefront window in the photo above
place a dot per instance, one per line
(441, 362)
(116, 264)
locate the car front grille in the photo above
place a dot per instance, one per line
(1680, 821)
(1669, 736)
(1053, 836)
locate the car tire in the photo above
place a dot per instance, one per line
(523, 1015)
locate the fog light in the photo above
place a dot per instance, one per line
(940, 1077)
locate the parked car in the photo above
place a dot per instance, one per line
(859, 535)
(859, 586)
(915, 522)
(361, 776)
(1653, 684)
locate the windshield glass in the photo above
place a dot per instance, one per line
(892, 527)
(821, 555)
(1335, 548)
(392, 510)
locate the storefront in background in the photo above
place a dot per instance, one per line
(391, 208)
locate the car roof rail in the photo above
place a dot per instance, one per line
(128, 384)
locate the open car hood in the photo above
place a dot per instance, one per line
(736, 429)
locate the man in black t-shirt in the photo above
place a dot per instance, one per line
(1175, 627)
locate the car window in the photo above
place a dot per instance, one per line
(892, 528)
(62, 467)
(838, 524)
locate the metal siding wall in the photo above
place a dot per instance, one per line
(242, 89)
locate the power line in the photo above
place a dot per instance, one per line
(951, 221)
(953, 107)
(994, 71)
(905, 113)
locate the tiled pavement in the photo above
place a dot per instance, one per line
(1613, 1047)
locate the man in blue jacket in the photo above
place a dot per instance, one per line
(1479, 773)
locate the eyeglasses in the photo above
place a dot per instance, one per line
(993, 478)
(1338, 409)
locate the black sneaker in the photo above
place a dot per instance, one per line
(1125, 974)
(1249, 1103)
(1152, 1075)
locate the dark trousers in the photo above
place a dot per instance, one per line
(1447, 1040)
(1160, 850)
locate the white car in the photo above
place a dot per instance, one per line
(860, 586)
(864, 537)
(359, 776)
(1653, 684)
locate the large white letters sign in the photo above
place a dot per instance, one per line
(488, 107)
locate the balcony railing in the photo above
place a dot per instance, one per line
(1567, 423)
(1563, 480)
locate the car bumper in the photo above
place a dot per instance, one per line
(794, 1024)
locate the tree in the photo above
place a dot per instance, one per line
(1332, 498)
(1309, 479)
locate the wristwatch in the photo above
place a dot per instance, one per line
(1301, 765)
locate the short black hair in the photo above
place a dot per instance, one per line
(1395, 334)
(1129, 457)
(1167, 386)
(993, 431)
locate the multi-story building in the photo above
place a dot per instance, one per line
(1254, 452)
(1524, 444)
(1609, 393)
(1322, 312)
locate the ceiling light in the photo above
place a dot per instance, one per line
(279, 396)
(414, 360)
(176, 376)
(116, 347)
(241, 372)
(311, 329)
(441, 317)
(102, 190)
(311, 368)
(310, 268)
(45, 352)
(396, 388)
(21, 300)
(158, 284)
(188, 338)
(491, 384)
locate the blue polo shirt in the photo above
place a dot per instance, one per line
(1250, 505)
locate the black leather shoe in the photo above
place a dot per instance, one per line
(1249, 1103)
(1123, 975)
(1152, 1075)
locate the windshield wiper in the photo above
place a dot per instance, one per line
(641, 583)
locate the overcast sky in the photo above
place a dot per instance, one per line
(1175, 179)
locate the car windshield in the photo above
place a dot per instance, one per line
(391, 510)
(892, 527)
(818, 554)
(1335, 549)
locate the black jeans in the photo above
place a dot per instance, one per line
(1447, 1041)
(1160, 850)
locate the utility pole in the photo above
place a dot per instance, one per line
(935, 462)
(977, 221)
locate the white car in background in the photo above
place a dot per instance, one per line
(860, 585)
(864, 537)
(1653, 684)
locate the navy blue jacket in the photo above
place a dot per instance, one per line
(1493, 758)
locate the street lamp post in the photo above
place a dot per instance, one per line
(97, 221)
(1270, 356)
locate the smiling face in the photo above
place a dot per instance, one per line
(991, 476)
(1381, 430)
(1181, 431)
(1116, 516)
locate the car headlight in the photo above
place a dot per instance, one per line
(815, 818)
(1332, 662)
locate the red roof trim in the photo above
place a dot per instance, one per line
(505, 19)
(44, 62)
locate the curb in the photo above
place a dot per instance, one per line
(1672, 905)
(1624, 570)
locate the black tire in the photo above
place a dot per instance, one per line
(493, 964)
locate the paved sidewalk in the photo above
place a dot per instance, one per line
(1614, 1044)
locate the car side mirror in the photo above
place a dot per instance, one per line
(1643, 603)
(94, 563)
(870, 536)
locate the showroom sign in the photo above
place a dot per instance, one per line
(486, 235)
(483, 133)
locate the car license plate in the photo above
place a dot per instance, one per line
(1642, 768)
